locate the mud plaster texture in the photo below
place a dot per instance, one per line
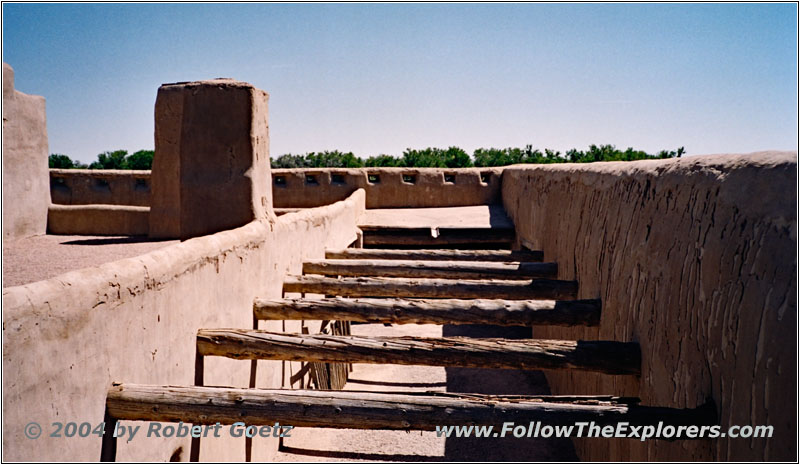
(694, 259)
(66, 339)
(431, 187)
(388, 187)
(105, 220)
(211, 165)
(107, 187)
(26, 186)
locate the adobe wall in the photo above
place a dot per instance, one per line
(26, 191)
(386, 187)
(291, 189)
(693, 258)
(99, 220)
(109, 187)
(66, 339)
(211, 165)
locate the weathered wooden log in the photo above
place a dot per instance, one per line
(610, 357)
(431, 269)
(365, 410)
(434, 311)
(424, 236)
(433, 288)
(438, 254)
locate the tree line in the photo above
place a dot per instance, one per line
(431, 157)
(114, 160)
(455, 157)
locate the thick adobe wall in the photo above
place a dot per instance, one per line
(107, 187)
(99, 202)
(387, 187)
(66, 339)
(694, 259)
(117, 202)
(211, 163)
(26, 192)
(303, 187)
(98, 219)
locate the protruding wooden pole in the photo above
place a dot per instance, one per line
(438, 254)
(434, 311)
(433, 288)
(431, 269)
(611, 357)
(367, 410)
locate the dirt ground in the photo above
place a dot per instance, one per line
(476, 216)
(325, 445)
(36, 258)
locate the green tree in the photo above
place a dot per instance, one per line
(110, 161)
(513, 156)
(672, 153)
(452, 157)
(141, 160)
(424, 158)
(289, 160)
(58, 160)
(490, 157)
(551, 156)
(383, 161)
(333, 159)
(455, 157)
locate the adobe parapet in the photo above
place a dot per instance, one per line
(387, 187)
(108, 187)
(303, 187)
(25, 198)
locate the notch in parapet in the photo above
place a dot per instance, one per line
(101, 184)
(338, 179)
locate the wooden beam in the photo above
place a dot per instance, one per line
(365, 410)
(433, 311)
(424, 236)
(438, 254)
(610, 357)
(430, 269)
(433, 288)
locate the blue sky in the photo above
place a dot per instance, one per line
(379, 78)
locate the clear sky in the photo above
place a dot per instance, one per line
(380, 78)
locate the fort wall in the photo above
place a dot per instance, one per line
(25, 150)
(211, 163)
(68, 338)
(387, 187)
(694, 259)
(108, 187)
(304, 187)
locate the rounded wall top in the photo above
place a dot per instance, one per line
(218, 82)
